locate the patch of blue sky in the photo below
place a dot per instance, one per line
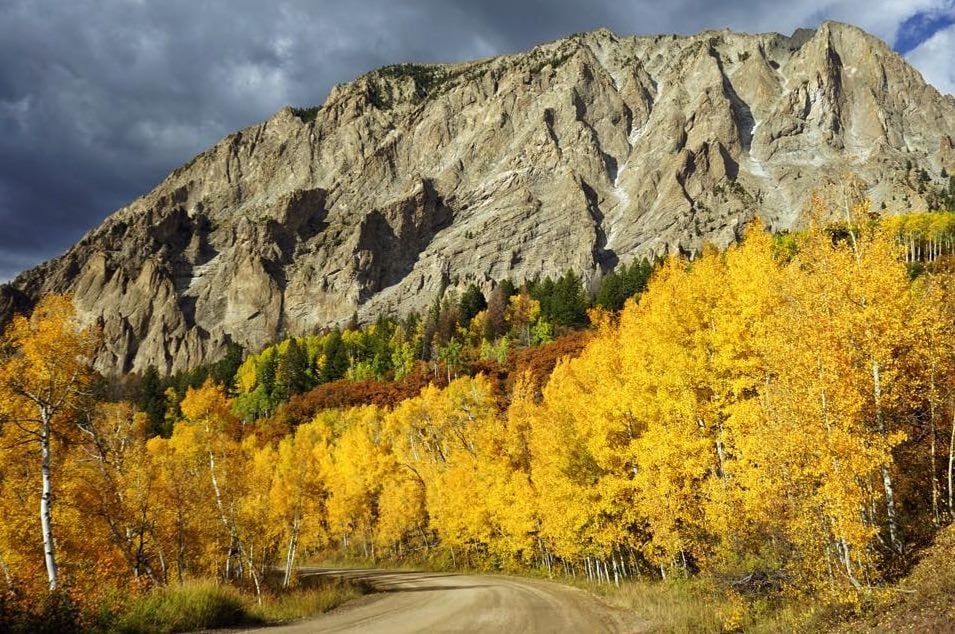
(921, 26)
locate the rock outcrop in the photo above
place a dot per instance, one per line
(581, 153)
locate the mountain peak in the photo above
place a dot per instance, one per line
(581, 153)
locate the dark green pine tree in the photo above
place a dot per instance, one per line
(152, 401)
(508, 289)
(291, 376)
(223, 372)
(266, 371)
(623, 283)
(544, 291)
(472, 302)
(569, 301)
(336, 358)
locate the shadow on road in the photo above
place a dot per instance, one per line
(390, 581)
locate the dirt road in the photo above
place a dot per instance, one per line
(440, 602)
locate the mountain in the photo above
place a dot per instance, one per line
(581, 153)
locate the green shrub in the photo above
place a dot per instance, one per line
(192, 606)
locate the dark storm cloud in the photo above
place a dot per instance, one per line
(99, 100)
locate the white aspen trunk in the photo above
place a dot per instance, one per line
(290, 556)
(936, 517)
(46, 503)
(222, 514)
(162, 565)
(847, 562)
(886, 474)
(6, 570)
(233, 534)
(951, 460)
(255, 576)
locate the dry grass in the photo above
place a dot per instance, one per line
(203, 604)
(305, 602)
(191, 606)
(924, 600)
(680, 607)
(701, 605)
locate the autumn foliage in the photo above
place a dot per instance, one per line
(785, 419)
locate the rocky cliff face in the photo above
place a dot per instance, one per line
(581, 153)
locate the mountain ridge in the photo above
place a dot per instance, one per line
(581, 153)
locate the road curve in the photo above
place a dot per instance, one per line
(443, 602)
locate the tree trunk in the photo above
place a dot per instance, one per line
(46, 503)
(936, 517)
(290, 556)
(180, 543)
(951, 460)
(886, 474)
(6, 571)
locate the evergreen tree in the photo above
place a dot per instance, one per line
(563, 301)
(569, 303)
(292, 372)
(508, 289)
(152, 401)
(619, 285)
(266, 372)
(472, 302)
(223, 371)
(336, 358)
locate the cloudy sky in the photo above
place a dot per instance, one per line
(99, 100)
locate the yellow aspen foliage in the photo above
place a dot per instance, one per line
(783, 410)
(298, 491)
(44, 382)
(354, 480)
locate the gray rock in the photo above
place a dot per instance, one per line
(580, 153)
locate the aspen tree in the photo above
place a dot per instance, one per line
(44, 379)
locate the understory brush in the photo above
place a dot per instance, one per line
(192, 605)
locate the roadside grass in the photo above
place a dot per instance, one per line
(194, 605)
(310, 599)
(701, 605)
(205, 604)
(676, 606)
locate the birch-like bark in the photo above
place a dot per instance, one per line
(936, 517)
(46, 501)
(951, 460)
(233, 533)
(290, 556)
(886, 474)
